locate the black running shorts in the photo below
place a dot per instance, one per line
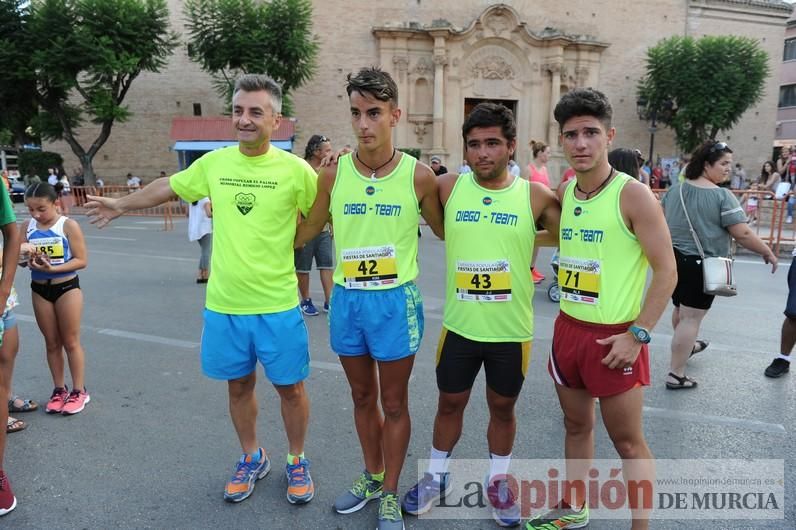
(459, 360)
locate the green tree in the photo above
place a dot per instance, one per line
(702, 87)
(82, 57)
(233, 37)
(16, 93)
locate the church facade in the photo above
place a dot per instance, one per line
(449, 55)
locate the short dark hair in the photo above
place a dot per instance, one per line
(41, 190)
(624, 160)
(583, 102)
(707, 153)
(375, 82)
(490, 114)
(313, 144)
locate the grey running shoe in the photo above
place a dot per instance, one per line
(364, 490)
(390, 517)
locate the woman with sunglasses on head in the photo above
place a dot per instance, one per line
(717, 217)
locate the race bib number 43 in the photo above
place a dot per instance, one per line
(52, 246)
(369, 267)
(579, 280)
(483, 281)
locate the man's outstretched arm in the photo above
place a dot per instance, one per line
(102, 210)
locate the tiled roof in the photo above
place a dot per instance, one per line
(219, 128)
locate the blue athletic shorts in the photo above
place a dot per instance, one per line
(232, 345)
(385, 324)
(9, 319)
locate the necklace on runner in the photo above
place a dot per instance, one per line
(588, 194)
(374, 170)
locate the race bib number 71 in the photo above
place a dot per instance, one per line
(579, 280)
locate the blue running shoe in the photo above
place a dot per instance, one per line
(424, 494)
(504, 502)
(308, 308)
(300, 489)
(247, 472)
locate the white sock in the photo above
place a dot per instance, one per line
(438, 464)
(498, 465)
(783, 356)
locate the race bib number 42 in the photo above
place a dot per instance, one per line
(483, 281)
(52, 246)
(369, 267)
(579, 280)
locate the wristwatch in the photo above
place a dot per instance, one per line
(641, 334)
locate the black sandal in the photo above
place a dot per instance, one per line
(682, 382)
(699, 346)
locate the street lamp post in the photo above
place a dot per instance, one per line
(652, 129)
(645, 113)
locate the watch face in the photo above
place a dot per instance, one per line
(642, 335)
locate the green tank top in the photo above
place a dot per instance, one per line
(375, 226)
(489, 236)
(602, 268)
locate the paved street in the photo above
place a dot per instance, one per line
(155, 446)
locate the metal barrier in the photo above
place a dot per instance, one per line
(769, 224)
(74, 203)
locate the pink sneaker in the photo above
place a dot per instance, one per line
(7, 500)
(57, 400)
(76, 402)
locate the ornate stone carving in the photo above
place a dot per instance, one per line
(401, 64)
(421, 128)
(493, 69)
(423, 66)
(499, 20)
(551, 68)
(441, 59)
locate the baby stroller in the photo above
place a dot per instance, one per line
(553, 293)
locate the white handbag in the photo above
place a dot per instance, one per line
(717, 273)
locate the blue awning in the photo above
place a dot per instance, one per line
(287, 145)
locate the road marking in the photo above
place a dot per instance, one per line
(147, 338)
(167, 341)
(728, 421)
(323, 365)
(146, 256)
(113, 238)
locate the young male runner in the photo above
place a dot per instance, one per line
(612, 228)
(375, 196)
(251, 311)
(490, 226)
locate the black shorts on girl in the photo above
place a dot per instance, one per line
(53, 291)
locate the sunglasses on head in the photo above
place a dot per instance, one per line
(719, 146)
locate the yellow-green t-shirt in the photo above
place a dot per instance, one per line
(254, 224)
